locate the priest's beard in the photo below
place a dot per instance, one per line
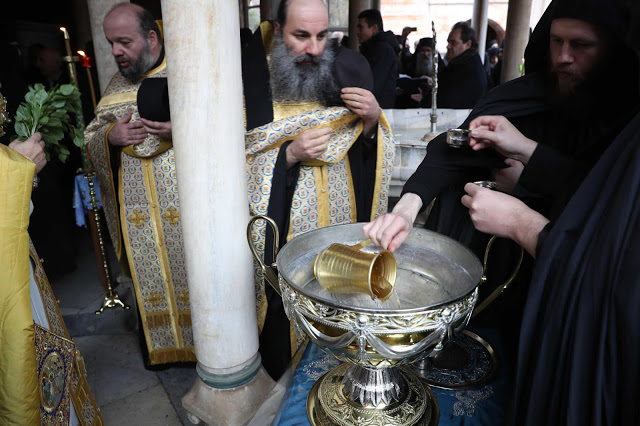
(424, 66)
(294, 80)
(139, 66)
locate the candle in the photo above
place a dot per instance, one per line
(69, 58)
(67, 43)
(85, 61)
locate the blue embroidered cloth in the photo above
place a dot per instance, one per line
(482, 406)
(82, 198)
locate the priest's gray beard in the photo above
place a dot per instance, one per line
(424, 66)
(138, 66)
(302, 78)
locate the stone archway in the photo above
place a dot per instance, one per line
(494, 32)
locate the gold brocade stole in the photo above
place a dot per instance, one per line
(262, 147)
(152, 232)
(283, 110)
(324, 192)
(83, 401)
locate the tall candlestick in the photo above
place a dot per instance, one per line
(69, 57)
(434, 89)
(74, 78)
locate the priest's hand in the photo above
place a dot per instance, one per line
(364, 103)
(502, 215)
(507, 178)
(308, 145)
(125, 132)
(495, 131)
(161, 129)
(33, 149)
(390, 230)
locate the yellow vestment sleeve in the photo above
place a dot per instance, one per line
(19, 397)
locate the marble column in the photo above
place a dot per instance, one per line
(537, 9)
(104, 62)
(355, 7)
(479, 21)
(515, 39)
(205, 95)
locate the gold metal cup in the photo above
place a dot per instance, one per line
(346, 269)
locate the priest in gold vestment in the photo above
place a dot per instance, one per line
(134, 160)
(33, 336)
(319, 148)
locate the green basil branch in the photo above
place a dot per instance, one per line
(50, 113)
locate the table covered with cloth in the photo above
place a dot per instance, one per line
(82, 197)
(483, 406)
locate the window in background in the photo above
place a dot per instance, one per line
(254, 14)
(338, 15)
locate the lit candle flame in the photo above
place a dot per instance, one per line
(85, 61)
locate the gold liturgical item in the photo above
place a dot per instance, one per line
(342, 268)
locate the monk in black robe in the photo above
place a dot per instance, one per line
(572, 132)
(580, 338)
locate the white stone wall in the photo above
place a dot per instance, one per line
(409, 127)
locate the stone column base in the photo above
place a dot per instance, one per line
(235, 406)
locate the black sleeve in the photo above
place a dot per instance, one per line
(445, 167)
(549, 172)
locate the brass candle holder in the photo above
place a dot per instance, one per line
(111, 298)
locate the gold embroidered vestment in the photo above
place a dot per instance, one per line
(142, 210)
(324, 193)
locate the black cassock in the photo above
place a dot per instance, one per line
(579, 352)
(572, 134)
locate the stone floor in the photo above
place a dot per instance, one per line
(126, 392)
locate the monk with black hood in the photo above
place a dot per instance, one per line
(580, 339)
(572, 134)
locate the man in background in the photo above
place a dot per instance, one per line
(463, 81)
(412, 93)
(381, 49)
